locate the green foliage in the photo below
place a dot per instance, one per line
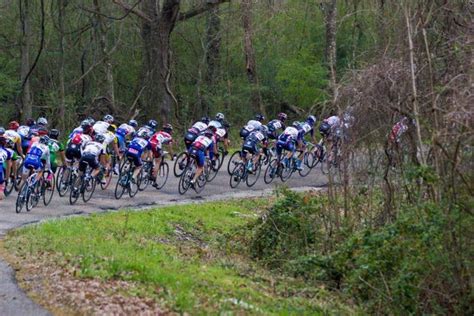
(417, 264)
(9, 83)
(302, 79)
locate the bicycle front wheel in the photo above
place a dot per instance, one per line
(180, 164)
(47, 190)
(75, 191)
(162, 175)
(234, 159)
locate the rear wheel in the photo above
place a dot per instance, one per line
(234, 159)
(62, 181)
(47, 190)
(21, 198)
(180, 164)
(89, 188)
(162, 175)
(306, 164)
(107, 175)
(75, 190)
(271, 171)
(286, 171)
(237, 175)
(252, 177)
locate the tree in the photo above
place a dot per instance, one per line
(26, 98)
(330, 14)
(158, 23)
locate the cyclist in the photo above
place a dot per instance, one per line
(225, 125)
(38, 159)
(100, 127)
(252, 125)
(5, 163)
(76, 140)
(152, 125)
(287, 141)
(125, 132)
(194, 131)
(157, 141)
(55, 147)
(24, 131)
(397, 131)
(110, 145)
(202, 146)
(331, 129)
(41, 123)
(253, 144)
(138, 146)
(275, 125)
(91, 153)
(16, 143)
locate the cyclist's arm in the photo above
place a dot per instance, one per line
(19, 149)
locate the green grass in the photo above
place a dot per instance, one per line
(187, 251)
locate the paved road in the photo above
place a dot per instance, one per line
(13, 300)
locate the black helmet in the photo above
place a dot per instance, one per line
(133, 123)
(168, 128)
(30, 122)
(282, 116)
(153, 124)
(259, 117)
(44, 139)
(54, 133)
(99, 138)
(205, 119)
(209, 132)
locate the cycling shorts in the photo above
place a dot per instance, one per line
(32, 162)
(200, 155)
(251, 147)
(135, 157)
(88, 160)
(73, 151)
(285, 145)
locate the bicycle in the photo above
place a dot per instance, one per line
(246, 172)
(33, 190)
(124, 182)
(162, 174)
(83, 185)
(188, 175)
(180, 163)
(234, 159)
(65, 179)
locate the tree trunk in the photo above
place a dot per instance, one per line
(26, 98)
(250, 61)
(62, 102)
(331, 29)
(213, 45)
(156, 63)
(101, 37)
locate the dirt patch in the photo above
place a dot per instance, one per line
(62, 293)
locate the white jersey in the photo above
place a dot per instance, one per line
(291, 131)
(203, 141)
(220, 132)
(14, 136)
(109, 138)
(200, 126)
(215, 123)
(333, 121)
(100, 127)
(306, 127)
(4, 155)
(129, 129)
(94, 148)
(253, 125)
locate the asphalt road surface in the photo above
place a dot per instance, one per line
(13, 300)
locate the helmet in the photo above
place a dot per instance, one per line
(264, 129)
(30, 122)
(282, 116)
(259, 117)
(2, 131)
(13, 125)
(133, 123)
(43, 132)
(99, 138)
(296, 123)
(44, 139)
(42, 121)
(324, 128)
(86, 125)
(205, 119)
(143, 133)
(90, 120)
(311, 120)
(153, 124)
(220, 116)
(168, 128)
(209, 132)
(108, 118)
(54, 133)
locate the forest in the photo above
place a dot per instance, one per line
(393, 234)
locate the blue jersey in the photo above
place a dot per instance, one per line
(138, 145)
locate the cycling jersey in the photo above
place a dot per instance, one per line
(221, 133)
(100, 127)
(36, 157)
(199, 147)
(73, 150)
(397, 131)
(110, 138)
(125, 130)
(91, 152)
(158, 140)
(5, 155)
(303, 129)
(287, 140)
(273, 127)
(251, 126)
(136, 148)
(253, 142)
(54, 147)
(14, 136)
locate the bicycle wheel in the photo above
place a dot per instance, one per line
(306, 163)
(133, 187)
(162, 175)
(32, 197)
(47, 190)
(107, 175)
(286, 171)
(233, 160)
(237, 175)
(120, 186)
(185, 179)
(75, 191)
(271, 171)
(212, 170)
(180, 164)
(21, 198)
(88, 190)
(144, 176)
(252, 177)
(19, 171)
(10, 185)
(318, 155)
(62, 181)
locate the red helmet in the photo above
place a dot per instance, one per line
(42, 131)
(13, 125)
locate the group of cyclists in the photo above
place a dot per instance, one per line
(101, 145)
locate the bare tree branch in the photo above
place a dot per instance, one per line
(132, 9)
(200, 9)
